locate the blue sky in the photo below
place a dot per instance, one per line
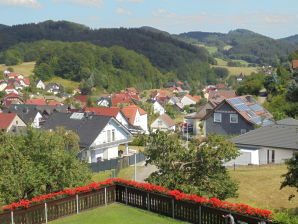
(274, 18)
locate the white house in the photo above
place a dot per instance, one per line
(137, 117)
(3, 85)
(100, 136)
(270, 144)
(104, 101)
(158, 108)
(189, 100)
(163, 123)
(40, 85)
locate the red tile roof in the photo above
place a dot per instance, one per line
(220, 86)
(121, 98)
(112, 111)
(53, 103)
(12, 95)
(6, 120)
(194, 98)
(130, 112)
(9, 87)
(82, 98)
(13, 74)
(219, 95)
(295, 64)
(36, 102)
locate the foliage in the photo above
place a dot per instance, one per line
(245, 45)
(284, 218)
(251, 85)
(39, 162)
(164, 52)
(291, 177)
(221, 72)
(139, 140)
(170, 111)
(198, 169)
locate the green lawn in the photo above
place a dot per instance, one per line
(65, 82)
(114, 214)
(259, 187)
(126, 173)
(25, 68)
(237, 70)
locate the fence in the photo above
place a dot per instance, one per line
(154, 202)
(118, 163)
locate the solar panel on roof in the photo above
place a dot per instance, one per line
(256, 120)
(256, 107)
(242, 107)
(251, 113)
(236, 101)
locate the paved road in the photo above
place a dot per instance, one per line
(144, 171)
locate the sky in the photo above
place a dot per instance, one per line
(273, 18)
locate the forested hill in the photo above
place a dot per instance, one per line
(246, 45)
(163, 51)
(292, 39)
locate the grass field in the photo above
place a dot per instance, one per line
(259, 186)
(237, 70)
(25, 68)
(126, 173)
(115, 214)
(210, 49)
(66, 83)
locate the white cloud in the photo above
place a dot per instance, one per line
(163, 13)
(23, 3)
(123, 11)
(92, 3)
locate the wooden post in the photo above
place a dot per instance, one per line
(11, 214)
(106, 196)
(126, 196)
(46, 212)
(173, 208)
(77, 200)
(148, 201)
(200, 214)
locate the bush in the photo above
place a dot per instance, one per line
(139, 140)
(285, 218)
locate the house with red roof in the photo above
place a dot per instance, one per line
(294, 64)
(42, 102)
(217, 96)
(11, 122)
(13, 75)
(111, 111)
(137, 117)
(82, 98)
(123, 98)
(10, 89)
(190, 100)
(12, 98)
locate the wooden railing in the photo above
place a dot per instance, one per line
(158, 203)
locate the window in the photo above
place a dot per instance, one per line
(109, 135)
(217, 117)
(243, 131)
(113, 135)
(233, 118)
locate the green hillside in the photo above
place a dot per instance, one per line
(245, 45)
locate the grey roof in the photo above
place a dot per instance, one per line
(283, 136)
(288, 121)
(26, 114)
(40, 108)
(87, 128)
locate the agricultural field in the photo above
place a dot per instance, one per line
(65, 82)
(25, 68)
(236, 70)
(259, 187)
(210, 49)
(116, 214)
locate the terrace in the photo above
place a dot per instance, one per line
(154, 199)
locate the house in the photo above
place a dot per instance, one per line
(99, 135)
(220, 86)
(137, 117)
(3, 85)
(42, 102)
(163, 123)
(83, 99)
(13, 75)
(270, 144)
(236, 116)
(104, 101)
(294, 64)
(11, 98)
(123, 99)
(44, 110)
(240, 77)
(217, 96)
(40, 85)
(10, 122)
(31, 116)
(53, 88)
(112, 111)
(25, 82)
(196, 120)
(10, 89)
(157, 107)
(173, 100)
(189, 100)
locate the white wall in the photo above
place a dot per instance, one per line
(246, 157)
(186, 101)
(279, 154)
(158, 108)
(35, 123)
(122, 119)
(162, 127)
